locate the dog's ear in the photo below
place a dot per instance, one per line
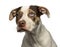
(44, 10)
(13, 13)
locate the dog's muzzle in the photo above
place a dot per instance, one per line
(21, 26)
(21, 23)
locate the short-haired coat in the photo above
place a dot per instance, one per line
(28, 20)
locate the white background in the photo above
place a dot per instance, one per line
(8, 34)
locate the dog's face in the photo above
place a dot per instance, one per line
(28, 17)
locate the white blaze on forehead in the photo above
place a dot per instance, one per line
(24, 8)
(29, 22)
(25, 12)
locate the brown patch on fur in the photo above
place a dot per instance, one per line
(19, 15)
(30, 10)
(35, 18)
(39, 10)
(36, 9)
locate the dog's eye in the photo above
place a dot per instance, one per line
(31, 14)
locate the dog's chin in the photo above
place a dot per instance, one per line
(22, 30)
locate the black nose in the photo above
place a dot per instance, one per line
(21, 23)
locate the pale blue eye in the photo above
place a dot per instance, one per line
(31, 14)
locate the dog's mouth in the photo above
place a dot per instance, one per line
(21, 29)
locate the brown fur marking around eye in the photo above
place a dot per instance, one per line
(19, 15)
(36, 10)
(34, 18)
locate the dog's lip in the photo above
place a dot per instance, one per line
(23, 27)
(20, 29)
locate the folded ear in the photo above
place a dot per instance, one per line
(44, 10)
(12, 14)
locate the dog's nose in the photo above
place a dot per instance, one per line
(21, 23)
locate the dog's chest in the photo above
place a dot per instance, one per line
(30, 41)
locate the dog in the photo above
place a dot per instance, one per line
(28, 20)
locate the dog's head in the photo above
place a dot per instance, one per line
(28, 17)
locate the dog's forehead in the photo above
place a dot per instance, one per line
(27, 8)
(24, 8)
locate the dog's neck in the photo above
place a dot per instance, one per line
(35, 34)
(37, 29)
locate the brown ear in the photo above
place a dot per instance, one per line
(12, 14)
(44, 10)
